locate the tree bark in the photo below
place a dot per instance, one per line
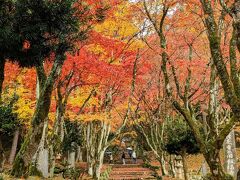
(154, 139)
(21, 166)
(71, 159)
(236, 21)
(2, 67)
(96, 134)
(79, 154)
(163, 165)
(43, 162)
(97, 166)
(214, 163)
(161, 161)
(40, 159)
(14, 146)
(51, 161)
(185, 169)
(90, 167)
(23, 161)
(57, 139)
(172, 170)
(2, 156)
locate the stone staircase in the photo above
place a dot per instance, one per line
(130, 172)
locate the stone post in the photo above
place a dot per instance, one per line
(230, 162)
(179, 168)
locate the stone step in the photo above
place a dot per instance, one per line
(130, 173)
(131, 177)
(137, 172)
(126, 166)
(130, 169)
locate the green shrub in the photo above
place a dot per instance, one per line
(105, 175)
(209, 177)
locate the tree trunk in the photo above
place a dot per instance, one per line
(172, 171)
(214, 163)
(96, 172)
(236, 21)
(90, 166)
(43, 163)
(23, 161)
(24, 156)
(14, 146)
(96, 134)
(185, 169)
(162, 164)
(2, 156)
(97, 166)
(71, 159)
(154, 141)
(40, 159)
(51, 161)
(2, 66)
(57, 139)
(79, 155)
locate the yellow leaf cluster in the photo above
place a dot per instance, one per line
(96, 49)
(80, 95)
(119, 25)
(24, 106)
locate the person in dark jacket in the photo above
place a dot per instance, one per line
(123, 158)
(238, 174)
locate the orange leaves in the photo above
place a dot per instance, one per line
(26, 45)
(11, 72)
(104, 61)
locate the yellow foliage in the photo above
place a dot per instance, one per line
(80, 95)
(95, 116)
(24, 106)
(120, 26)
(96, 49)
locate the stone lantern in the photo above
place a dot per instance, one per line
(179, 167)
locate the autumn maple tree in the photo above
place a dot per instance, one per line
(57, 36)
(178, 71)
(93, 69)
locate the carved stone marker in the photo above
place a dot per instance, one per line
(230, 162)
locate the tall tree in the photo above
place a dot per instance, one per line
(180, 141)
(178, 87)
(7, 37)
(48, 30)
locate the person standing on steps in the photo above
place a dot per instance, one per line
(111, 158)
(134, 157)
(129, 149)
(238, 174)
(123, 158)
